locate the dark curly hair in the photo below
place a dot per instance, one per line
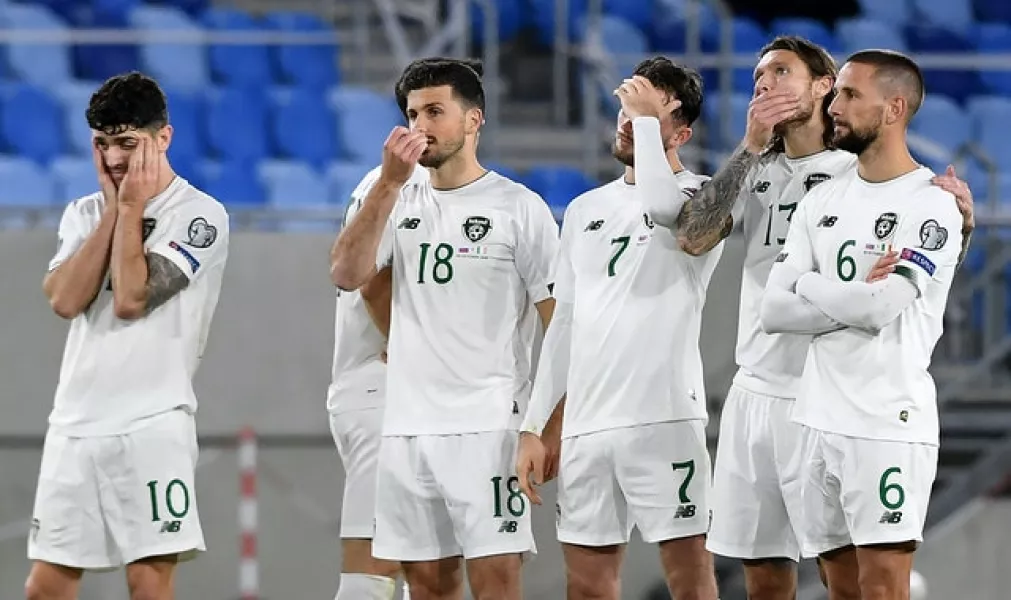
(464, 76)
(675, 80)
(125, 102)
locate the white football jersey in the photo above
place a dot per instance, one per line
(116, 373)
(468, 266)
(771, 364)
(358, 377)
(637, 312)
(856, 384)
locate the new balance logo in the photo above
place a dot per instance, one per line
(827, 221)
(171, 526)
(891, 517)
(594, 225)
(685, 511)
(507, 527)
(409, 223)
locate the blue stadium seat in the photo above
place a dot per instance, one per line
(178, 65)
(31, 123)
(510, 20)
(558, 184)
(231, 64)
(189, 168)
(303, 65)
(958, 84)
(293, 184)
(111, 8)
(810, 29)
(342, 178)
(896, 12)
(712, 110)
(74, 96)
(994, 38)
(365, 119)
(235, 123)
(193, 8)
(941, 121)
(99, 62)
(503, 170)
(636, 12)
(185, 111)
(45, 65)
(303, 128)
(234, 183)
(993, 11)
(668, 29)
(749, 37)
(64, 9)
(955, 15)
(626, 46)
(991, 122)
(859, 34)
(74, 177)
(24, 183)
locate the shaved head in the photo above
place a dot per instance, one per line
(896, 75)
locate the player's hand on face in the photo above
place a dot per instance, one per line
(401, 152)
(765, 112)
(105, 181)
(950, 183)
(884, 267)
(141, 181)
(530, 465)
(640, 99)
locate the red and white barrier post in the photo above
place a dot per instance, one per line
(249, 581)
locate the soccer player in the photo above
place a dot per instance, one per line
(867, 404)
(623, 344)
(471, 253)
(355, 402)
(137, 271)
(785, 153)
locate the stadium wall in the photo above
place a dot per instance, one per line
(267, 366)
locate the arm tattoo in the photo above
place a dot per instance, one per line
(164, 280)
(966, 239)
(707, 212)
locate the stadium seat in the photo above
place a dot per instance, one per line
(503, 170)
(293, 184)
(233, 183)
(942, 122)
(235, 123)
(74, 177)
(626, 46)
(45, 65)
(558, 184)
(994, 38)
(342, 178)
(860, 33)
(74, 97)
(510, 20)
(24, 183)
(114, 8)
(303, 65)
(712, 110)
(365, 119)
(193, 8)
(668, 30)
(98, 62)
(303, 128)
(993, 11)
(806, 28)
(177, 65)
(958, 84)
(235, 65)
(185, 111)
(991, 122)
(896, 12)
(955, 15)
(748, 38)
(31, 123)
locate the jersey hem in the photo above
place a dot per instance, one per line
(566, 434)
(756, 385)
(870, 435)
(132, 426)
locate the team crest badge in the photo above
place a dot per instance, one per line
(476, 228)
(814, 179)
(884, 226)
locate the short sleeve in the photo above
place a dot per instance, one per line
(537, 248)
(194, 237)
(70, 236)
(928, 240)
(564, 275)
(798, 251)
(384, 255)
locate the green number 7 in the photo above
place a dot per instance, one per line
(622, 245)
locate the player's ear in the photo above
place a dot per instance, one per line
(895, 110)
(822, 86)
(164, 138)
(475, 119)
(684, 135)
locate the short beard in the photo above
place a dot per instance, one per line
(434, 160)
(625, 157)
(857, 141)
(781, 129)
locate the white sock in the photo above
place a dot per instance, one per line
(407, 591)
(357, 586)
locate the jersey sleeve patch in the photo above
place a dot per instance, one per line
(192, 260)
(932, 235)
(201, 234)
(914, 257)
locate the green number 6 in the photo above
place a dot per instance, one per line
(884, 488)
